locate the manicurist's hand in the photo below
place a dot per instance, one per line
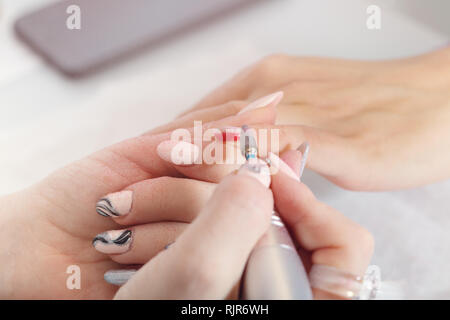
(208, 259)
(47, 231)
(372, 125)
(326, 239)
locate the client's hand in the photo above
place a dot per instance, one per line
(46, 231)
(207, 260)
(373, 125)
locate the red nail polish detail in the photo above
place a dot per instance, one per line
(229, 134)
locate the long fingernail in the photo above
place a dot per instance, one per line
(277, 164)
(118, 277)
(258, 170)
(115, 204)
(273, 98)
(304, 149)
(113, 242)
(178, 152)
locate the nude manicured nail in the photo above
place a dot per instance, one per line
(277, 164)
(118, 277)
(304, 149)
(178, 152)
(273, 98)
(258, 170)
(115, 204)
(113, 242)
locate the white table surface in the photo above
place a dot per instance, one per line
(47, 121)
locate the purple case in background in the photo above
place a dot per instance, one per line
(111, 29)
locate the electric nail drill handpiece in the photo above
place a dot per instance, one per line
(274, 269)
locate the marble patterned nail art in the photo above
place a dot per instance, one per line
(115, 204)
(113, 242)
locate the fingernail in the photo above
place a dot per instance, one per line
(258, 170)
(274, 98)
(304, 149)
(118, 277)
(113, 242)
(229, 134)
(178, 152)
(115, 204)
(277, 164)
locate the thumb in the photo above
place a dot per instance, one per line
(208, 259)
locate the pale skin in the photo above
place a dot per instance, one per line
(384, 123)
(215, 247)
(50, 226)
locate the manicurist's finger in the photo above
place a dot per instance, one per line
(333, 239)
(209, 257)
(158, 199)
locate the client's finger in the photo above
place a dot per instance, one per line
(158, 199)
(209, 257)
(138, 244)
(332, 156)
(215, 161)
(228, 114)
(222, 111)
(200, 161)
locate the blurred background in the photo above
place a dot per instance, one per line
(48, 120)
